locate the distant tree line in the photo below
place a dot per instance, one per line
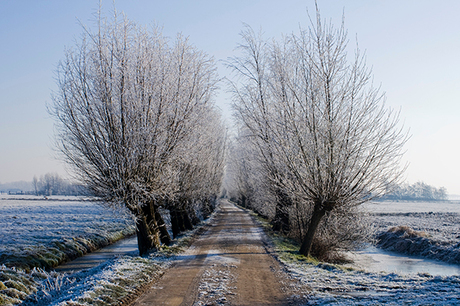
(52, 184)
(419, 191)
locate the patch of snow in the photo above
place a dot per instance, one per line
(216, 285)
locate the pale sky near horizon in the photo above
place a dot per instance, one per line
(413, 47)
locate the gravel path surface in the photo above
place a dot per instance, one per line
(229, 264)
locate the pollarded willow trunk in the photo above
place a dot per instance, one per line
(243, 201)
(146, 240)
(194, 220)
(156, 223)
(207, 207)
(281, 220)
(176, 223)
(318, 213)
(187, 221)
(185, 214)
(150, 229)
(210, 206)
(164, 234)
(180, 220)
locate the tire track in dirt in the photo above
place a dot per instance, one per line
(227, 265)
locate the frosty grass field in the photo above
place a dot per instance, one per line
(427, 229)
(49, 232)
(45, 233)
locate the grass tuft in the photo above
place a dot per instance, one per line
(14, 293)
(7, 300)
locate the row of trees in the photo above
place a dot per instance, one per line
(419, 191)
(136, 122)
(52, 184)
(315, 138)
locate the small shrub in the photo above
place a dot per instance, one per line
(326, 252)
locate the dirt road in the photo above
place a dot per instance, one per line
(228, 264)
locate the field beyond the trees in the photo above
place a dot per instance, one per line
(45, 233)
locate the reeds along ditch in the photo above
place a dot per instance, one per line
(405, 240)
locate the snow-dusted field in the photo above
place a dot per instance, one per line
(436, 226)
(32, 222)
(38, 232)
(324, 284)
(441, 220)
(31, 226)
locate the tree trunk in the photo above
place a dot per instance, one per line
(145, 240)
(180, 219)
(281, 220)
(193, 217)
(177, 220)
(318, 212)
(206, 208)
(188, 225)
(147, 230)
(243, 201)
(164, 234)
(174, 221)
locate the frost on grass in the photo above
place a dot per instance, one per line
(326, 284)
(39, 234)
(47, 233)
(332, 285)
(403, 239)
(17, 285)
(433, 235)
(111, 284)
(107, 284)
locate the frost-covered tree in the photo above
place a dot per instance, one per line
(35, 184)
(198, 172)
(254, 112)
(48, 184)
(318, 123)
(245, 177)
(126, 100)
(418, 191)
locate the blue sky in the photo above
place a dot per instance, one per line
(413, 47)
